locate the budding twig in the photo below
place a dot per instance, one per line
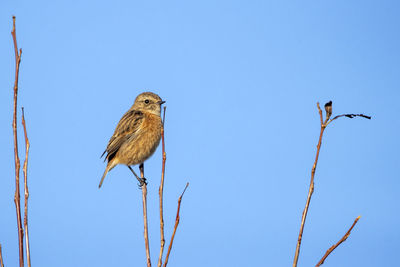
(329, 251)
(17, 200)
(175, 226)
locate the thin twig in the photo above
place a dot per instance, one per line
(25, 170)
(329, 251)
(175, 226)
(16, 157)
(349, 116)
(1, 258)
(310, 191)
(146, 229)
(160, 193)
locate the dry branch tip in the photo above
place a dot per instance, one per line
(184, 190)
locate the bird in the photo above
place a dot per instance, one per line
(136, 136)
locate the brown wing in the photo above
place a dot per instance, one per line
(127, 127)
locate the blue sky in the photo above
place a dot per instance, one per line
(241, 80)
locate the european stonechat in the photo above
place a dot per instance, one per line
(137, 134)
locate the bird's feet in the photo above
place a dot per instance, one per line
(142, 181)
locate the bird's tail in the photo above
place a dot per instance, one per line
(109, 167)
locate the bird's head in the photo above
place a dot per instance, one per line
(148, 102)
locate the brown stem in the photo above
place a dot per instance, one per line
(160, 193)
(311, 189)
(25, 170)
(146, 229)
(1, 258)
(175, 226)
(338, 243)
(16, 157)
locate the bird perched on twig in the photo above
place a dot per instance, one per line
(137, 134)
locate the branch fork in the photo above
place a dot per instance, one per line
(323, 124)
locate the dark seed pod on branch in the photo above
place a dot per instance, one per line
(328, 109)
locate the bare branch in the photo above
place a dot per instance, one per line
(310, 190)
(146, 229)
(1, 258)
(324, 124)
(16, 157)
(25, 170)
(160, 193)
(175, 226)
(329, 251)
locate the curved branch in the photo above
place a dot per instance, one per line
(349, 116)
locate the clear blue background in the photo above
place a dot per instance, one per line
(241, 80)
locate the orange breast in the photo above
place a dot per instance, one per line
(140, 148)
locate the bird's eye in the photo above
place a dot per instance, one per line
(146, 101)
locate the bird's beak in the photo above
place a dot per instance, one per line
(161, 102)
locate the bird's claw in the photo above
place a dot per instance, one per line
(142, 181)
